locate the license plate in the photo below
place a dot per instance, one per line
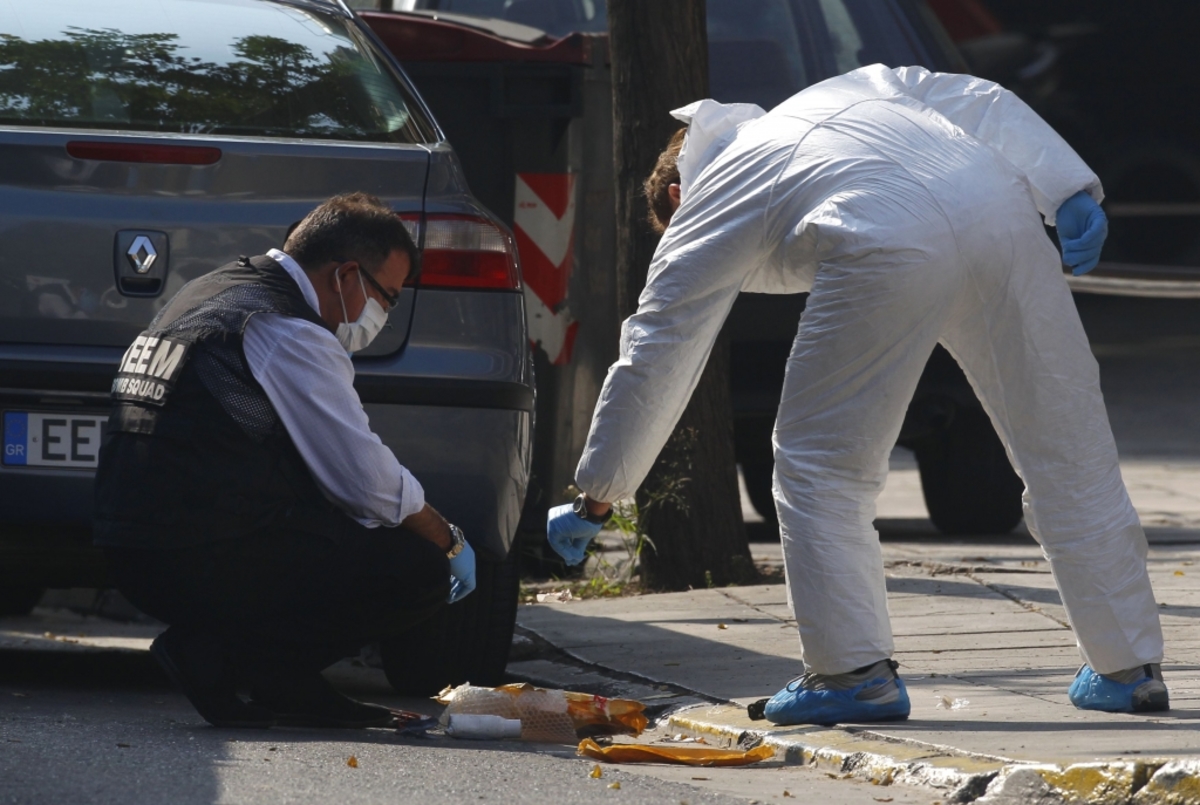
(52, 440)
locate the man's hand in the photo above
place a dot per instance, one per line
(462, 574)
(569, 534)
(1082, 228)
(430, 525)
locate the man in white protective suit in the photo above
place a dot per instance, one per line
(907, 202)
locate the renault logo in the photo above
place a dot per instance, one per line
(141, 254)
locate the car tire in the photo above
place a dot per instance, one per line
(758, 477)
(467, 641)
(755, 454)
(1151, 172)
(969, 485)
(19, 599)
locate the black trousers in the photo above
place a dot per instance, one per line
(288, 600)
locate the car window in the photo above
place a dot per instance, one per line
(845, 41)
(555, 17)
(235, 67)
(760, 51)
(862, 32)
(755, 52)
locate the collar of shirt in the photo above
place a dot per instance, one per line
(297, 273)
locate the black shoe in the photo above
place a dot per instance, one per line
(203, 682)
(310, 701)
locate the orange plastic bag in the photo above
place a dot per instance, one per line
(685, 755)
(596, 715)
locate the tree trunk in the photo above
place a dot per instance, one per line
(659, 53)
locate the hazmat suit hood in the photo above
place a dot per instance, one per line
(708, 124)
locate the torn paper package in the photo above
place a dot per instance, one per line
(546, 715)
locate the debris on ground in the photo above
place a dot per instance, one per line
(484, 727)
(544, 715)
(946, 703)
(556, 597)
(685, 755)
(680, 738)
(413, 725)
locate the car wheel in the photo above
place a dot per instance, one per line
(465, 642)
(1147, 175)
(19, 600)
(968, 482)
(756, 456)
(758, 477)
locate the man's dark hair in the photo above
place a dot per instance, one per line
(352, 226)
(657, 184)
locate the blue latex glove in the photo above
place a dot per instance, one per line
(1082, 228)
(462, 574)
(569, 534)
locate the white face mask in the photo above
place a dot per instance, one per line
(356, 335)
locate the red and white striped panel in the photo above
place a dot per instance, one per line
(544, 226)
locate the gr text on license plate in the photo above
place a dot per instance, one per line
(52, 440)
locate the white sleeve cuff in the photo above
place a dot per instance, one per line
(412, 495)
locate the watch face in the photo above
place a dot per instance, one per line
(581, 511)
(458, 540)
(580, 507)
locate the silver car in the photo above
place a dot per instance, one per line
(146, 142)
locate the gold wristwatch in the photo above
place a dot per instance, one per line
(458, 540)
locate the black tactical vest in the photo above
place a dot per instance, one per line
(194, 450)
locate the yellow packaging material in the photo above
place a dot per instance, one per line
(547, 715)
(685, 755)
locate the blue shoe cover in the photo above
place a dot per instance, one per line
(798, 705)
(1093, 691)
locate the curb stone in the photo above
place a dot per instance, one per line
(1142, 783)
(960, 776)
(1174, 783)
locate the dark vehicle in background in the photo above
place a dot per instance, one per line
(147, 142)
(1116, 79)
(764, 51)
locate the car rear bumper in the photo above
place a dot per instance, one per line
(473, 462)
(455, 405)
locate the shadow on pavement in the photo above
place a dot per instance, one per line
(89, 670)
(947, 585)
(908, 530)
(1170, 721)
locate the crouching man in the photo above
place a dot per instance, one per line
(242, 497)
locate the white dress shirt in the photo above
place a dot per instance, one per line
(309, 380)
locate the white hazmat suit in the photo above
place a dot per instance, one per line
(907, 203)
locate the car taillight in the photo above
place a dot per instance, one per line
(465, 251)
(134, 152)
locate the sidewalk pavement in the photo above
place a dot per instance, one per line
(984, 646)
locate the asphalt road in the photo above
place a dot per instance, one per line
(105, 727)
